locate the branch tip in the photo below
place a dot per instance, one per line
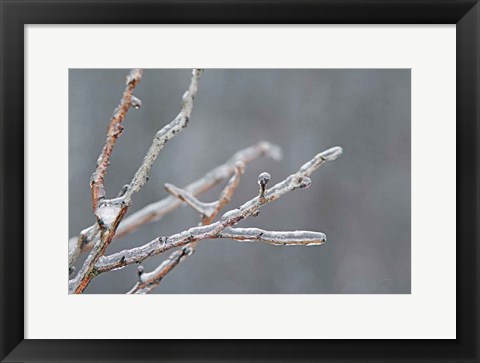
(134, 77)
(140, 271)
(272, 150)
(240, 167)
(263, 180)
(332, 153)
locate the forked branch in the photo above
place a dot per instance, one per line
(159, 245)
(208, 211)
(155, 211)
(147, 281)
(109, 213)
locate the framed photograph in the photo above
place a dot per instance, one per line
(278, 181)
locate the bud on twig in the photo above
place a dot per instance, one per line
(263, 179)
(140, 271)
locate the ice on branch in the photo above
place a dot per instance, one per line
(109, 213)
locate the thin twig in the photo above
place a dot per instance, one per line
(76, 244)
(208, 211)
(106, 225)
(148, 281)
(165, 134)
(205, 209)
(227, 192)
(109, 213)
(284, 238)
(295, 181)
(115, 129)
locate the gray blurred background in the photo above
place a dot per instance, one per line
(361, 200)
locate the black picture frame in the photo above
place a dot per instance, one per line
(17, 13)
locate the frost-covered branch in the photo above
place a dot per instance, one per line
(76, 244)
(281, 238)
(165, 134)
(205, 209)
(109, 213)
(227, 192)
(149, 280)
(114, 131)
(107, 219)
(156, 211)
(295, 181)
(208, 211)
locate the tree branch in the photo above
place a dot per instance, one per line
(283, 238)
(295, 181)
(114, 131)
(76, 244)
(155, 211)
(109, 213)
(165, 134)
(208, 212)
(205, 209)
(148, 281)
(227, 192)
